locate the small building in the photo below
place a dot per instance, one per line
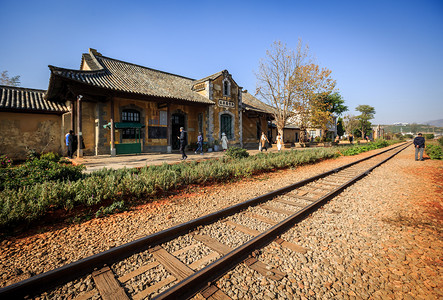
(29, 122)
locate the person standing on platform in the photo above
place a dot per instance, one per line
(183, 142)
(279, 142)
(419, 144)
(199, 144)
(224, 142)
(263, 142)
(71, 143)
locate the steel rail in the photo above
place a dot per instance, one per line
(46, 281)
(199, 280)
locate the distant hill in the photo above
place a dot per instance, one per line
(438, 123)
(414, 128)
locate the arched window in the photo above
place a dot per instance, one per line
(226, 88)
(132, 116)
(226, 125)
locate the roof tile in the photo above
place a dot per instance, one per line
(126, 77)
(28, 100)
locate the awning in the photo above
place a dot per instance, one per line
(124, 125)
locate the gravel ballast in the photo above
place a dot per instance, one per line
(380, 238)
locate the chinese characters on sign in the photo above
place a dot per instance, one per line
(224, 103)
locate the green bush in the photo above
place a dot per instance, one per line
(440, 141)
(35, 171)
(51, 157)
(429, 136)
(434, 151)
(236, 152)
(356, 149)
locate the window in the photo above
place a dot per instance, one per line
(130, 116)
(226, 125)
(163, 117)
(226, 88)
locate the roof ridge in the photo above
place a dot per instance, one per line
(95, 60)
(21, 88)
(140, 66)
(51, 67)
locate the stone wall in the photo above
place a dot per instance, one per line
(21, 132)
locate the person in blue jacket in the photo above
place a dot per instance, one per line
(199, 144)
(419, 144)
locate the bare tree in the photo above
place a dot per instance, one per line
(350, 123)
(11, 81)
(276, 82)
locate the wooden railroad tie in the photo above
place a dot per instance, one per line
(279, 241)
(181, 271)
(276, 209)
(254, 264)
(108, 287)
(288, 202)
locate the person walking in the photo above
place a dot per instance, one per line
(224, 142)
(67, 142)
(279, 142)
(263, 141)
(183, 142)
(199, 144)
(419, 144)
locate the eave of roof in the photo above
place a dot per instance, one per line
(253, 104)
(16, 99)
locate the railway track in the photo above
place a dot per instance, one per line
(159, 266)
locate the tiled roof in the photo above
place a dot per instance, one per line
(210, 77)
(28, 100)
(253, 104)
(121, 76)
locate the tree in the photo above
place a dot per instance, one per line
(323, 108)
(320, 115)
(336, 101)
(313, 84)
(414, 128)
(350, 124)
(11, 81)
(275, 79)
(340, 127)
(367, 113)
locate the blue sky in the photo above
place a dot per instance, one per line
(387, 54)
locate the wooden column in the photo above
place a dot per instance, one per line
(79, 126)
(169, 147)
(113, 151)
(72, 116)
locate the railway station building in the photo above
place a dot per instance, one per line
(119, 107)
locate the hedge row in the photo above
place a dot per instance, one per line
(42, 190)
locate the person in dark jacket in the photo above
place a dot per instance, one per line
(419, 144)
(71, 143)
(183, 142)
